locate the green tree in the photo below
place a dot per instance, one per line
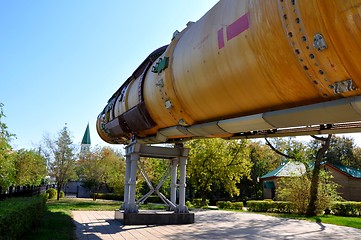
(289, 148)
(297, 189)
(60, 154)
(7, 163)
(315, 181)
(30, 168)
(299, 152)
(219, 162)
(357, 160)
(155, 169)
(342, 150)
(102, 166)
(263, 161)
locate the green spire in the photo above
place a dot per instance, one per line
(86, 138)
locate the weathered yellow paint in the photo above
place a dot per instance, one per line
(271, 65)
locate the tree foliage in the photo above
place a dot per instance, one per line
(30, 168)
(155, 168)
(60, 154)
(7, 166)
(297, 190)
(102, 166)
(263, 161)
(289, 148)
(217, 162)
(342, 150)
(317, 155)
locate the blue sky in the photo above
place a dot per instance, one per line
(60, 61)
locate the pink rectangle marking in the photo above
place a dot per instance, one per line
(237, 27)
(220, 38)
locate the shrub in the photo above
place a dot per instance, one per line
(346, 208)
(46, 195)
(269, 206)
(230, 205)
(296, 189)
(62, 194)
(19, 215)
(197, 202)
(52, 193)
(189, 204)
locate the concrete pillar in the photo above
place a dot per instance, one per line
(132, 155)
(126, 183)
(173, 185)
(182, 208)
(132, 207)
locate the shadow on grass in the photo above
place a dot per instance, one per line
(55, 225)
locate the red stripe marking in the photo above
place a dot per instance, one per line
(237, 27)
(220, 38)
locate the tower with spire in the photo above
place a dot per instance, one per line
(85, 143)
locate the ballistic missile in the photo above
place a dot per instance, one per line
(246, 69)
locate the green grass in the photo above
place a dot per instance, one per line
(57, 223)
(354, 222)
(79, 204)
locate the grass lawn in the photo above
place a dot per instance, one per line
(354, 222)
(57, 223)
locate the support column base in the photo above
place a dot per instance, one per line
(146, 217)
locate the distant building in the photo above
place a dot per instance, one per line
(270, 180)
(75, 188)
(348, 179)
(85, 143)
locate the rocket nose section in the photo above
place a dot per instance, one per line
(101, 131)
(114, 131)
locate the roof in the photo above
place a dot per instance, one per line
(286, 170)
(353, 172)
(296, 169)
(86, 137)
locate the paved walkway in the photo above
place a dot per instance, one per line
(94, 225)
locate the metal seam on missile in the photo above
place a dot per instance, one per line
(296, 36)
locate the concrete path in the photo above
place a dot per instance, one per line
(94, 225)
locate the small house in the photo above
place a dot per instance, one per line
(348, 179)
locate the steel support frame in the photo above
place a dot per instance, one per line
(177, 157)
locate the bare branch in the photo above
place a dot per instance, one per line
(278, 151)
(319, 138)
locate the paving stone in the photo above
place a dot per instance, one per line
(209, 225)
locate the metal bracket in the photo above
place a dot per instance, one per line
(319, 42)
(160, 65)
(343, 86)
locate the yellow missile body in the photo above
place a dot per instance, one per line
(246, 69)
